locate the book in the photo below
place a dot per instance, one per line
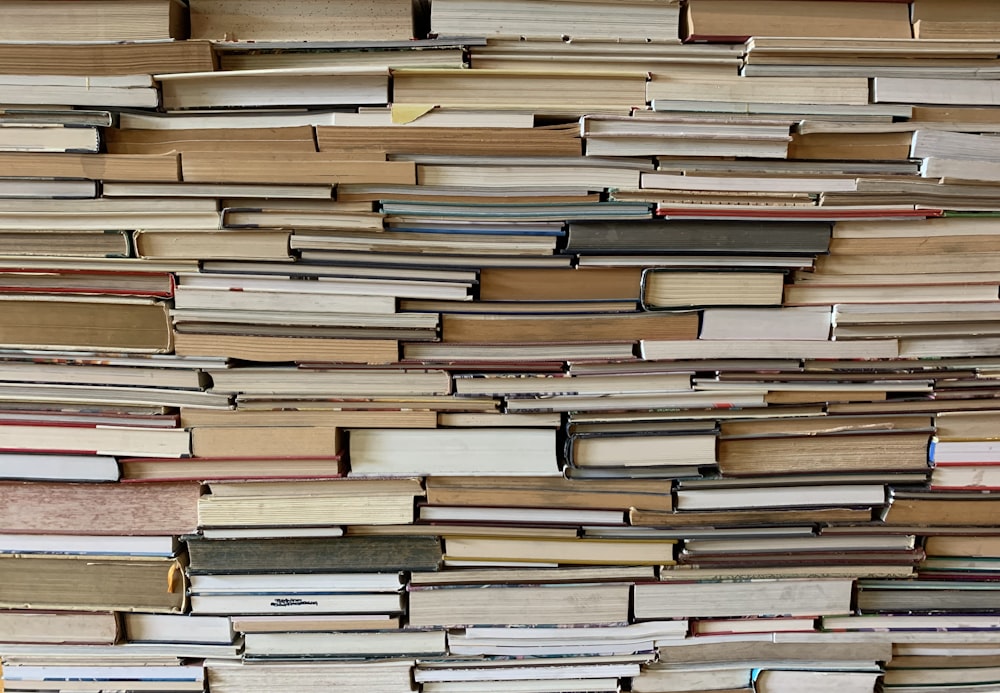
(316, 20)
(578, 20)
(275, 87)
(842, 453)
(74, 508)
(561, 551)
(401, 452)
(295, 603)
(521, 329)
(314, 502)
(411, 643)
(563, 93)
(798, 323)
(153, 585)
(103, 21)
(60, 627)
(696, 236)
(117, 91)
(292, 168)
(105, 59)
(311, 555)
(29, 467)
(666, 289)
(171, 628)
(832, 495)
(750, 598)
(547, 492)
(518, 605)
(774, 680)
(90, 544)
(734, 22)
(553, 141)
(378, 676)
(510, 284)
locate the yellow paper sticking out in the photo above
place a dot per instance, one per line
(407, 113)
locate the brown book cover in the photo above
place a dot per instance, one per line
(153, 168)
(283, 349)
(89, 584)
(154, 509)
(562, 140)
(101, 59)
(516, 284)
(513, 329)
(298, 167)
(549, 492)
(44, 322)
(734, 21)
(281, 139)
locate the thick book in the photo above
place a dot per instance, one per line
(579, 19)
(89, 584)
(311, 555)
(303, 87)
(59, 627)
(734, 21)
(104, 59)
(311, 20)
(574, 93)
(541, 141)
(281, 139)
(76, 508)
(297, 168)
(127, 167)
(16, 246)
(524, 329)
(678, 289)
(40, 467)
(548, 492)
(308, 503)
(378, 676)
(453, 452)
(105, 21)
(386, 643)
(174, 628)
(519, 605)
(750, 598)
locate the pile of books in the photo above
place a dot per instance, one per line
(546, 346)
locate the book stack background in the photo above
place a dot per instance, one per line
(524, 345)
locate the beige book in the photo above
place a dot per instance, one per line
(265, 441)
(308, 20)
(303, 168)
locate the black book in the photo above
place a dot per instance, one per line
(697, 236)
(360, 554)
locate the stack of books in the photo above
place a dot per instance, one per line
(546, 346)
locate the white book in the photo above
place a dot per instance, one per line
(807, 323)
(398, 643)
(176, 628)
(47, 137)
(948, 92)
(296, 583)
(276, 87)
(122, 91)
(71, 544)
(768, 349)
(476, 451)
(293, 603)
(14, 465)
(103, 673)
(832, 495)
(47, 189)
